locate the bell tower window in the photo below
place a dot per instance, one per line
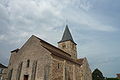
(63, 46)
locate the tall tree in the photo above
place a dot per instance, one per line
(97, 75)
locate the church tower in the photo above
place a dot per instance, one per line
(67, 43)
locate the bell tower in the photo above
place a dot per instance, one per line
(67, 43)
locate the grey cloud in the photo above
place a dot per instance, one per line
(46, 19)
(4, 19)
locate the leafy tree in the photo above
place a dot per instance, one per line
(97, 75)
(112, 79)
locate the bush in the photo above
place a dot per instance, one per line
(112, 79)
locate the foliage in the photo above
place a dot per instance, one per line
(112, 79)
(97, 75)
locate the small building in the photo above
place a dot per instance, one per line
(3, 72)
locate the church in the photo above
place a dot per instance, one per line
(40, 60)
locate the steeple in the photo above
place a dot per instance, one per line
(67, 43)
(67, 36)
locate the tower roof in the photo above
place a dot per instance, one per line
(67, 35)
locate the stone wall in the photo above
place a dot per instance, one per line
(69, 47)
(33, 51)
(86, 71)
(43, 65)
(64, 70)
(3, 74)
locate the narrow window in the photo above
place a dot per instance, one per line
(58, 65)
(28, 63)
(34, 67)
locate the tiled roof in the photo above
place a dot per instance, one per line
(42, 41)
(64, 56)
(58, 52)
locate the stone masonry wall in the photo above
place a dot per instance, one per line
(66, 70)
(49, 66)
(85, 70)
(69, 47)
(33, 51)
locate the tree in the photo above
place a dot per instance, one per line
(112, 79)
(97, 75)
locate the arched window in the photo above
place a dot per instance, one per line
(28, 63)
(58, 65)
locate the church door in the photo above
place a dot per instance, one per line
(25, 77)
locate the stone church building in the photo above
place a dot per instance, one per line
(40, 60)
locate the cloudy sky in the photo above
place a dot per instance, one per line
(94, 25)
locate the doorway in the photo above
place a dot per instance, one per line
(26, 77)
